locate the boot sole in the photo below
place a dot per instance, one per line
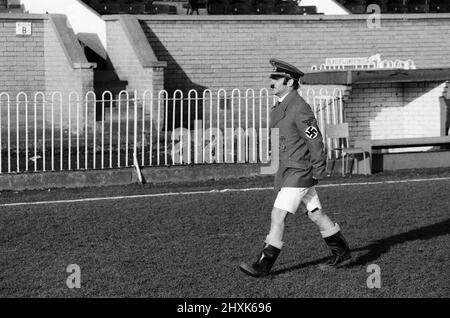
(249, 271)
(340, 265)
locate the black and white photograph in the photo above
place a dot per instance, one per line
(225, 156)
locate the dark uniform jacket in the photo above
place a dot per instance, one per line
(301, 146)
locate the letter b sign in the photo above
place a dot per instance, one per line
(23, 28)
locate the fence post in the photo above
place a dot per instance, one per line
(135, 128)
(275, 155)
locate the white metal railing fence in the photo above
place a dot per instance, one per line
(57, 131)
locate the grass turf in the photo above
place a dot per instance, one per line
(191, 245)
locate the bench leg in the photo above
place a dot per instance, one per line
(333, 162)
(367, 161)
(353, 164)
(363, 163)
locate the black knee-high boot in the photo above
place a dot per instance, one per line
(264, 262)
(340, 252)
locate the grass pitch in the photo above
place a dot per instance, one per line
(191, 245)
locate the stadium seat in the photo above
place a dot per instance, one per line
(124, 8)
(357, 9)
(117, 6)
(264, 6)
(355, 2)
(98, 6)
(112, 8)
(193, 6)
(417, 6)
(241, 7)
(137, 8)
(263, 9)
(217, 6)
(423, 8)
(439, 6)
(397, 7)
(308, 10)
(149, 9)
(286, 7)
(381, 3)
(107, 7)
(160, 9)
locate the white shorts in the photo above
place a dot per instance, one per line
(290, 199)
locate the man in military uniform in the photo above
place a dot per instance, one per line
(302, 164)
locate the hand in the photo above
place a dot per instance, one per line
(319, 174)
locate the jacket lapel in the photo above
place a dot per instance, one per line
(279, 111)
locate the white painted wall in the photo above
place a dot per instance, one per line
(81, 17)
(330, 7)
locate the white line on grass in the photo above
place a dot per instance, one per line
(212, 191)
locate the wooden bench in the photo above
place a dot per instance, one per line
(403, 142)
(370, 145)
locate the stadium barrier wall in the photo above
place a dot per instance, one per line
(147, 129)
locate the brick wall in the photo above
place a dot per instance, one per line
(233, 51)
(22, 69)
(22, 64)
(423, 112)
(43, 62)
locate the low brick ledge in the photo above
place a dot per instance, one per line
(125, 176)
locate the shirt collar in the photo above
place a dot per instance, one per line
(280, 99)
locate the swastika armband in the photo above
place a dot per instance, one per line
(311, 132)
